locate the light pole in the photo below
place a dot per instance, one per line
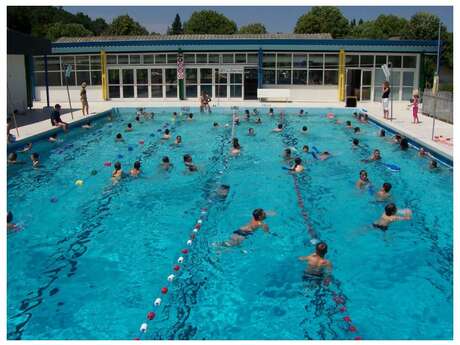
(391, 90)
(436, 81)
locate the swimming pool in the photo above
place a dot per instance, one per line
(91, 259)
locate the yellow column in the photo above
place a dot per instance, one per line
(341, 89)
(104, 75)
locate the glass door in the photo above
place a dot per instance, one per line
(142, 83)
(236, 85)
(366, 84)
(127, 82)
(114, 83)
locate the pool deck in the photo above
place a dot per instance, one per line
(402, 117)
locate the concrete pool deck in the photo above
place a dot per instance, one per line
(402, 117)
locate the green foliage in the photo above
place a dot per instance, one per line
(125, 25)
(254, 28)
(323, 19)
(383, 27)
(58, 30)
(39, 20)
(176, 27)
(423, 26)
(209, 22)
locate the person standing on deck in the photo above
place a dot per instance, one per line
(385, 99)
(84, 99)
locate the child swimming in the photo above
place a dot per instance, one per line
(189, 163)
(384, 192)
(287, 155)
(374, 157)
(257, 221)
(129, 128)
(278, 128)
(304, 130)
(363, 179)
(391, 215)
(305, 149)
(251, 132)
(136, 170)
(178, 140)
(119, 138)
(165, 163)
(166, 135)
(35, 159)
(236, 147)
(297, 167)
(117, 173)
(355, 143)
(87, 125)
(317, 264)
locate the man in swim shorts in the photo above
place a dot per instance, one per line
(257, 221)
(317, 264)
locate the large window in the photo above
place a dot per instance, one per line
(191, 82)
(171, 82)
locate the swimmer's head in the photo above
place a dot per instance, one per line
(259, 214)
(117, 166)
(382, 133)
(166, 131)
(178, 139)
(137, 118)
(35, 156)
(190, 116)
(357, 129)
(130, 125)
(321, 249)
(304, 128)
(355, 142)
(236, 143)
(88, 123)
(287, 152)
(305, 148)
(9, 217)
(301, 111)
(223, 190)
(398, 138)
(348, 123)
(386, 187)
(390, 209)
(215, 124)
(246, 112)
(12, 156)
(433, 164)
(137, 165)
(280, 126)
(118, 136)
(298, 161)
(363, 175)
(174, 113)
(165, 159)
(251, 130)
(187, 158)
(404, 144)
(271, 110)
(377, 154)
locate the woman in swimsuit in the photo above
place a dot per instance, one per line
(257, 221)
(391, 215)
(117, 173)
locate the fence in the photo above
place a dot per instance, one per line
(440, 106)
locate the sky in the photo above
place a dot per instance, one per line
(275, 19)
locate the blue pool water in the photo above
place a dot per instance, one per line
(90, 265)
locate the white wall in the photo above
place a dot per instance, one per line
(58, 94)
(324, 93)
(17, 84)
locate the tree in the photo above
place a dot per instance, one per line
(254, 28)
(125, 26)
(99, 26)
(176, 27)
(209, 22)
(424, 26)
(361, 21)
(58, 30)
(352, 23)
(322, 19)
(383, 27)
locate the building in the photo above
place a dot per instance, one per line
(314, 67)
(20, 49)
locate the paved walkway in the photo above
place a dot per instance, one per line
(400, 123)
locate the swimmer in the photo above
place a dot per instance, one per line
(357, 130)
(278, 128)
(382, 133)
(348, 124)
(222, 191)
(87, 125)
(129, 128)
(257, 221)
(136, 170)
(190, 117)
(259, 121)
(10, 226)
(189, 163)
(251, 132)
(305, 149)
(384, 192)
(374, 157)
(166, 135)
(35, 159)
(363, 180)
(297, 167)
(433, 165)
(270, 112)
(236, 120)
(246, 115)
(304, 130)
(355, 114)
(236, 147)
(324, 155)
(13, 158)
(138, 118)
(355, 143)
(301, 112)
(317, 264)
(404, 144)
(255, 111)
(178, 140)
(174, 116)
(391, 215)
(53, 138)
(28, 147)
(330, 116)
(165, 163)
(119, 138)
(117, 173)
(287, 155)
(215, 125)
(422, 152)
(397, 139)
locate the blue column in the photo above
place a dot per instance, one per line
(32, 77)
(46, 81)
(260, 69)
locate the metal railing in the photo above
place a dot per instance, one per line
(440, 107)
